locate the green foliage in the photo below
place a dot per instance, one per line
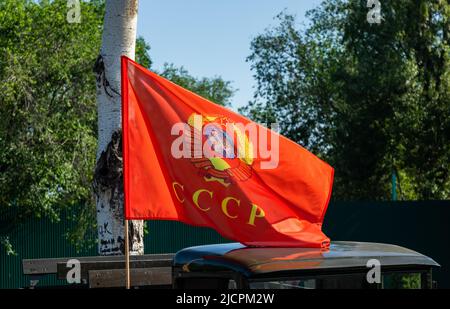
(214, 89)
(6, 244)
(47, 108)
(411, 281)
(143, 53)
(369, 98)
(402, 281)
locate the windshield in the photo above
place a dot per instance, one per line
(390, 280)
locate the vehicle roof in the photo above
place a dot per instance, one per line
(258, 260)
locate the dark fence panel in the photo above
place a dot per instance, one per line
(36, 239)
(421, 226)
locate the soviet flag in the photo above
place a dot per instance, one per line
(191, 160)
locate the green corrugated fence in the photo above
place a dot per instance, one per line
(44, 239)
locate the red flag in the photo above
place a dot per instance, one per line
(190, 160)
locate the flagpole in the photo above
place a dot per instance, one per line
(127, 257)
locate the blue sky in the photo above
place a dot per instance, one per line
(212, 37)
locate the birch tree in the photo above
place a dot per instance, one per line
(119, 38)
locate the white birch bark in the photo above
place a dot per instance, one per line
(119, 38)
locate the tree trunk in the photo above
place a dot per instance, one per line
(119, 38)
